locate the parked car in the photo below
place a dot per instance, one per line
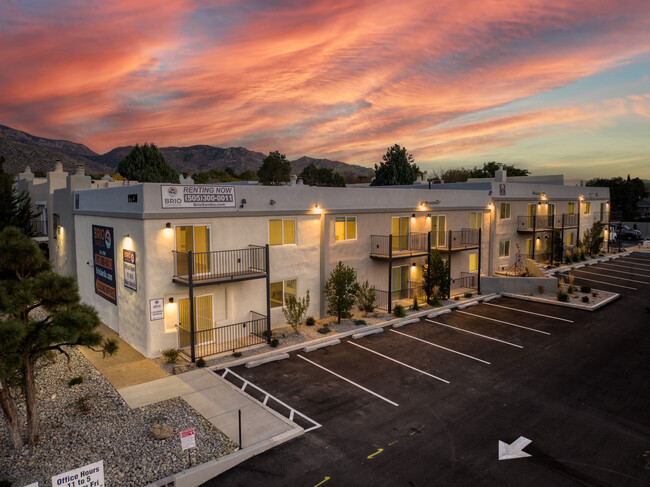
(623, 231)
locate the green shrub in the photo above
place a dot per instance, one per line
(274, 342)
(415, 305)
(171, 354)
(324, 330)
(360, 322)
(585, 289)
(399, 311)
(564, 297)
(585, 299)
(540, 289)
(200, 363)
(236, 354)
(5, 483)
(456, 298)
(570, 289)
(468, 295)
(75, 380)
(310, 321)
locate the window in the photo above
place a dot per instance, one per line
(400, 283)
(572, 208)
(569, 238)
(473, 262)
(400, 231)
(476, 219)
(280, 291)
(504, 248)
(529, 248)
(282, 232)
(195, 238)
(505, 211)
(438, 231)
(587, 208)
(345, 228)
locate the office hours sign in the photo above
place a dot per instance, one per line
(130, 276)
(104, 263)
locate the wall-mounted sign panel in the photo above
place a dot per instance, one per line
(104, 263)
(156, 309)
(130, 276)
(198, 196)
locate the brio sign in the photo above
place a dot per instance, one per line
(197, 196)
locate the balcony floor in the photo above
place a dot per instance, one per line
(400, 254)
(199, 280)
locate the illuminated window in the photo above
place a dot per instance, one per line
(345, 228)
(587, 208)
(280, 291)
(569, 238)
(282, 232)
(476, 219)
(572, 208)
(504, 248)
(473, 262)
(505, 211)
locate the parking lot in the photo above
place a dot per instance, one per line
(427, 403)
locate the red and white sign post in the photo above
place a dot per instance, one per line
(188, 440)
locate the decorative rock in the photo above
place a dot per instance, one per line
(161, 431)
(179, 369)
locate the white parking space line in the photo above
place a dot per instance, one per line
(626, 267)
(614, 277)
(440, 346)
(504, 322)
(529, 312)
(401, 363)
(349, 381)
(641, 262)
(473, 333)
(609, 269)
(603, 282)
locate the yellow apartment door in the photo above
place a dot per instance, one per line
(197, 239)
(202, 320)
(400, 232)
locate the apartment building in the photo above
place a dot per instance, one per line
(208, 268)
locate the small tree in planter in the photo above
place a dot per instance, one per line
(295, 310)
(366, 297)
(438, 275)
(341, 291)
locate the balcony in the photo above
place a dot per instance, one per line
(385, 300)
(220, 267)
(464, 239)
(39, 227)
(538, 223)
(386, 247)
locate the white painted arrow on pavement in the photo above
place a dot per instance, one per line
(514, 450)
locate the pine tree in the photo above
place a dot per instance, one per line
(397, 168)
(146, 164)
(15, 209)
(42, 312)
(275, 170)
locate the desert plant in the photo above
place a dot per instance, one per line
(456, 298)
(310, 321)
(434, 298)
(324, 330)
(564, 297)
(415, 305)
(585, 299)
(585, 289)
(366, 297)
(236, 354)
(570, 289)
(84, 404)
(200, 363)
(295, 310)
(171, 354)
(75, 380)
(468, 295)
(274, 342)
(360, 322)
(572, 279)
(399, 311)
(540, 289)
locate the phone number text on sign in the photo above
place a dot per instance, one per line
(199, 196)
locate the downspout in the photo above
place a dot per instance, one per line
(268, 293)
(390, 272)
(190, 281)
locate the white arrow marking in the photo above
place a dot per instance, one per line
(514, 450)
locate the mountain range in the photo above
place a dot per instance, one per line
(21, 149)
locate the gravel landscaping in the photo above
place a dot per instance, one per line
(88, 422)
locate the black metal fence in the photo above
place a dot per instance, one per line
(411, 243)
(225, 338)
(467, 280)
(220, 264)
(385, 297)
(530, 223)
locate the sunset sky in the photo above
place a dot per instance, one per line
(557, 87)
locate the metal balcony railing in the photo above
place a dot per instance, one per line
(39, 227)
(220, 266)
(385, 246)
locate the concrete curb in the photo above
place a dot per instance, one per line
(356, 336)
(406, 322)
(273, 358)
(468, 305)
(200, 474)
(318, 341)
(435, 314)
(582, 307)
(321, 345)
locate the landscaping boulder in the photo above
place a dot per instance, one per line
(161, 431)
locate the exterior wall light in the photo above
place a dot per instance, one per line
(413, 216)
(581, 197)
(413, 265)
(171, 300)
